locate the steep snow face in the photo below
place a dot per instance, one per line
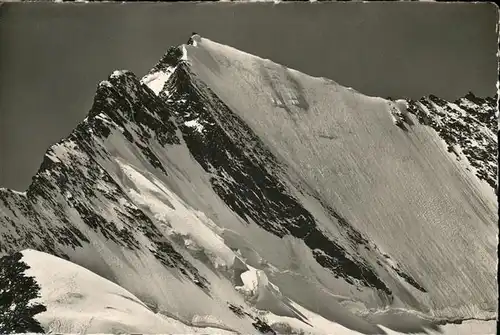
(157, 80)
(390, 177)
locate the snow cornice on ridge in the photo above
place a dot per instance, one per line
(194, 39)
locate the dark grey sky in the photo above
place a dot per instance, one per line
(53, 55)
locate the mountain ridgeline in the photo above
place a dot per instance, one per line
(218, 167)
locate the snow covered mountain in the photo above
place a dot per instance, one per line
(226, 193)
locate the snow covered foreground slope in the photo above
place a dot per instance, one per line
(226, 191)
(79, 301)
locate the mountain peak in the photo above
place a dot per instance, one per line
(227, 181)
(175, 54)
(194, 39)
(170, 59)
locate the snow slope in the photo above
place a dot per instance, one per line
(79, 301)
(225, 191)
(397, 186)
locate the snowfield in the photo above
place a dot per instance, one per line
(224, 193)
(79, 301)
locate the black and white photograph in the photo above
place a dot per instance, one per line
(249, 168)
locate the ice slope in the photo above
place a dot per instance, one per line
(172, 191)
(397, 185)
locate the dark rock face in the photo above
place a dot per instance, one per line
(257, 323)
(16, 292)
(127, 102)
(238, 310)
(263, 327)
(409, 280)
(171, 58)
(20, 234)
(246, 175)
(470, 123)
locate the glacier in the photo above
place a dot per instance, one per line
(225, 193)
